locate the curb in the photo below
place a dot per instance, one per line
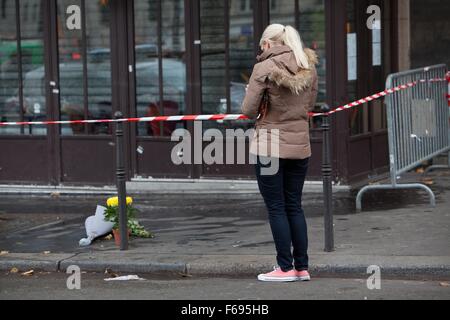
(139, 186)
(238, 270)
(219, 269)
(24, 265)
(386, 271)
(150, 267)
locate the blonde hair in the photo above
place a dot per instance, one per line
(277, 34)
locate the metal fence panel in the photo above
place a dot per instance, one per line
(417, 120)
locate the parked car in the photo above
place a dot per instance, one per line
(32, 53)
(148, 95)
(99, 92)
(71, 93)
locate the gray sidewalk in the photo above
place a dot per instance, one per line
(229, 235)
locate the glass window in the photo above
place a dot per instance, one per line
(241, 55)
(9, 68)
(381, 61)
(243, 5)
(84, 65)
(213, 57)
(308, 17)
(273, 4)
(22, 94)
(227, 59)
(358, 116)
(160, 64)
(98, 65)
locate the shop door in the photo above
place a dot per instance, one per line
(159, 60)
(228, 30)
(190, 57)
(26, 152)
(370, 49)
(83, 81)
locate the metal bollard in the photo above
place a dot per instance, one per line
(326, 179)
(120, 182)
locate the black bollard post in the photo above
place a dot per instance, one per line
(326, 179)
(120, 181)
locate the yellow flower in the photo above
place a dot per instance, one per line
(114, 201)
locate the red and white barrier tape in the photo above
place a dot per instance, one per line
(367, 99)
(379, 95)
(206, 117)
(201, 117)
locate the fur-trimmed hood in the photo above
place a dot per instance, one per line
(285, 72)
(284, 109)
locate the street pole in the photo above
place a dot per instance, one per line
(326, 179)
(120, 182)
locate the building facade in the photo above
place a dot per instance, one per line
(78, 59)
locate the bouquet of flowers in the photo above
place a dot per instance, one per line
(112, 215)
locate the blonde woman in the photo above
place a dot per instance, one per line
(286, 75)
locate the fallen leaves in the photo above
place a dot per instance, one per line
(184, 275)
(111, 273)
(108, 237)
(427, 181)
(28, 273)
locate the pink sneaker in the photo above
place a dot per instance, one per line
(278, 275)
(303, 275)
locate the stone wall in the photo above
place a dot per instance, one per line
(430, 32)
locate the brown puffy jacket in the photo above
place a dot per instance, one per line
(292, 92)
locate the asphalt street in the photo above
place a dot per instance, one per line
(175, 287)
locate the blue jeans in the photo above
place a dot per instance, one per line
(282, 193)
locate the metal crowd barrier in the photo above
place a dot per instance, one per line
(417, 124)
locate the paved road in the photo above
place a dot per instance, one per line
(53, 286)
